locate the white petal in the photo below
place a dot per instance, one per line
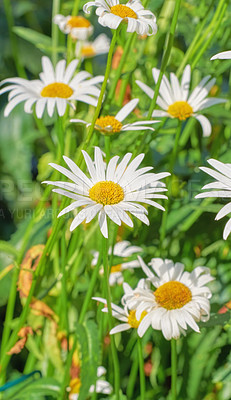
(126, 110)
(225, 55)
(103, 223)
(205, 124)
(120, 328)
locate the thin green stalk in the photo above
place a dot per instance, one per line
(128, 45)
(44, 131)
(194, 44)
(173, 369)
(107, 143)
(64, 313)
(103, 88)
(9, 310)
(216, 27)
(59, 128)
(141, 368)
(165, 57)
(169, 181)
(75, 10)
(108, 298)
(90, 288)
(6, 358)
(132, 378)
(13, 39)
(55, 31)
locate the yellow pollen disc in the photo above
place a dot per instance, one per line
(181, 110)
(108, 125)
(75, 385)
(57, 89)
(88, 51)
(172, 295)
(132, 318)
(116, 268)
(78, 22)
(106, 193)
(123, 11)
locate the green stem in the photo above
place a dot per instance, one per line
(141, 367)
(44, 131)
(64, 288)
(173, 369)
(216, 27)
(9, 311)
(165, 57)
(108, 298)
(132, 378)
(6, 358)
(75, 10)
(107, 143)
(55, 31)
(128, 45)
(103, 88)
(90, 288)
(195, 42)
(13, 40)
(169, 181)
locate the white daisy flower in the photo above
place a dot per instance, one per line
(77, 27)
(101, 386)
(56, 87)
(110, 125)
(175, 101)
(121, 249)
(111, 13)
(111, 189)
(225, 55)
(85, 49)
(180, 298)
(128, 317)
(221, 187)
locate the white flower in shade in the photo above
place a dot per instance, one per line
(121, 249)
(56, 88)
(221, 187)
(111, 190)
(85, 49)
(225, 55)
(78, 27)
(111, 13)
(110, 125)
(175, 101)
(128, 317)
(101, 386)
(180, 298)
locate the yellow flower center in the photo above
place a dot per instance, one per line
(172, 295)
(181, 110)
(78, 22)
(108, 125)
(116, 268)
(123, 11)
(75, 385)
(132, 318)
(106, 193)
(57, 89)
(87, 51)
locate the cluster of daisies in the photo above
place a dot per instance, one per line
(169, 299)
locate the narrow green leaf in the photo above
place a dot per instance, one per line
(6, 247)
(36, 38)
